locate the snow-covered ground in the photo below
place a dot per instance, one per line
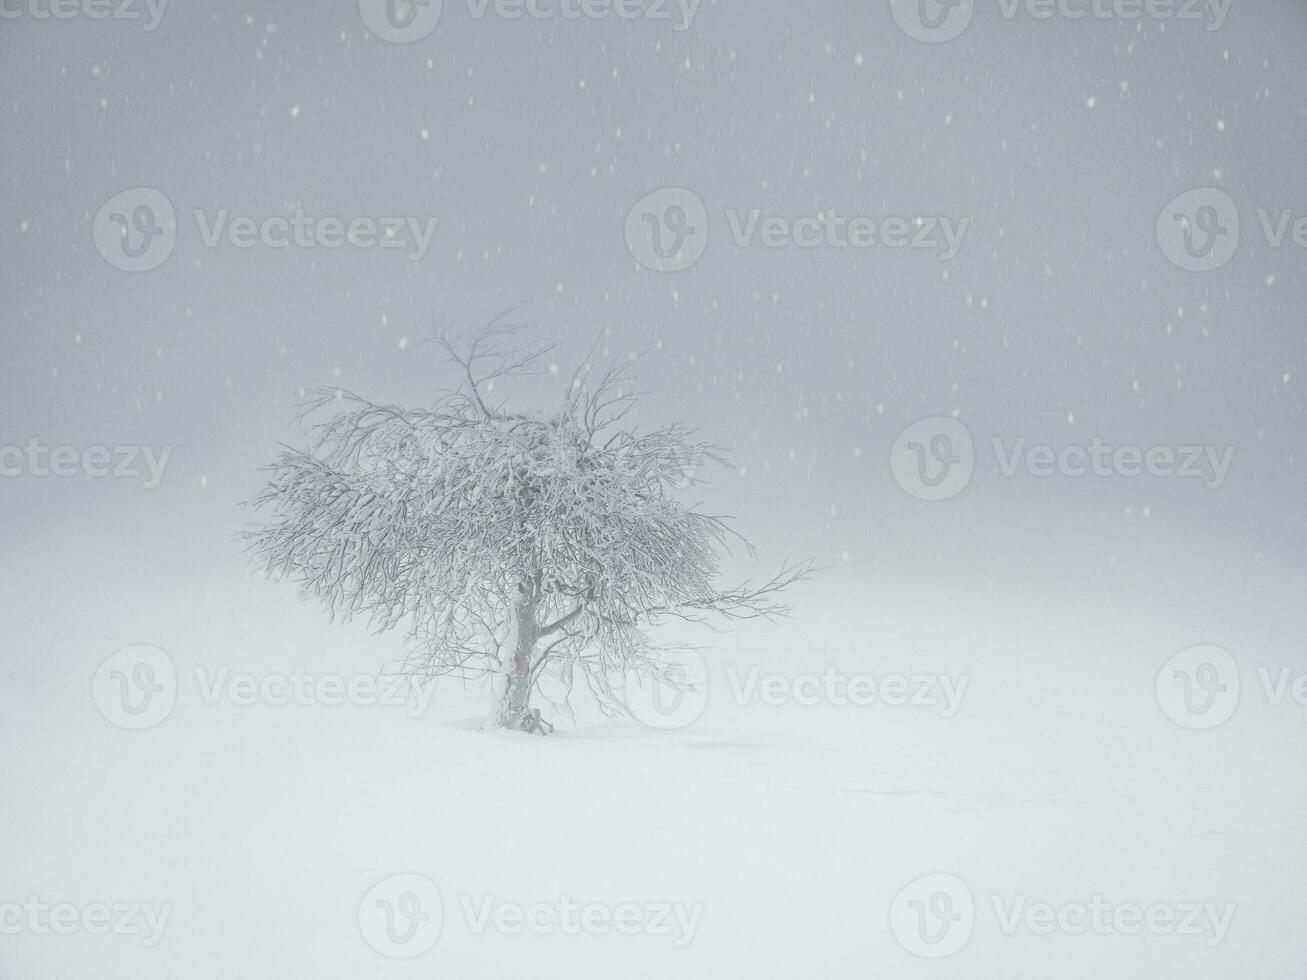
(760, 840)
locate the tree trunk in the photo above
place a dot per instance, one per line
(512, 688)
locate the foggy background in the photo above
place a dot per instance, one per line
(1060, 319)
(530, 140)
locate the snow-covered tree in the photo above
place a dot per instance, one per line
(520, 545)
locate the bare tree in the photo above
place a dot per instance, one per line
(522, 546)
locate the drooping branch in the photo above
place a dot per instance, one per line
(561, 622)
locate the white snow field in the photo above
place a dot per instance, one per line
(1092, 835)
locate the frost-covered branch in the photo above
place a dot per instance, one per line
(508, 544)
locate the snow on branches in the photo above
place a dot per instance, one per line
(509, 544)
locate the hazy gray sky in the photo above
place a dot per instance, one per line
(1058, 141)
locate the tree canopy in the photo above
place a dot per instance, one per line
(520, 545)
